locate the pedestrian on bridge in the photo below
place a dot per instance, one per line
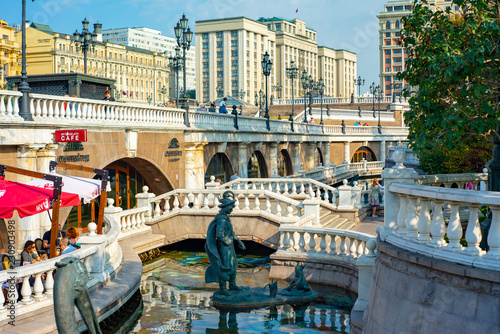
(374, 201)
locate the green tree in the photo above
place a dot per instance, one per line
(454, 73)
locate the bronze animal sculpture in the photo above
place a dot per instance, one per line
(70, 289)
(299, 281)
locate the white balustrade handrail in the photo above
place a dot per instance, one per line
(9, 105)
(422, 227)
(449, 179)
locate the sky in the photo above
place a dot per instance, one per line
(340, 24)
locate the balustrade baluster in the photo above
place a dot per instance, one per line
(285, 188)
(49, 283)
(196, 203)
(133, 222)
(205, 202)
(262, 186)
(438, 228)
(246, 203)
(318, 193)
(129, 223)
(289, 210)
(238, 186)
(282, 240)
(424, 221)
(157, 211)
(53, 105)
(473, 232)
(5, 111)
(35, 105)
(322, 243)
(302, 241)
(268, 204)
(38, 287)
(257, 203)
(291, 242)
(361, 248)
(278, 208)
(402, 215)
(494, 234)
(185, 204)
(254, 186)
(245, 185)
(412, 219)
(312, 242)
(342, 247)
(79, 111)
(15, 103)
(352, 247)
(45, 112)
(454, 232)
(302, 188)
(294, 188)
(26, 290)
(176, 202)
(123, 224)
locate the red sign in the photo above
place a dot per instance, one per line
(64, 136)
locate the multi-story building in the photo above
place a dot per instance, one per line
(393, 56)
(153, 40)
(229, 54)
(10, 52)
(139, 73)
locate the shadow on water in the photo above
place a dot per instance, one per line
(177, 299)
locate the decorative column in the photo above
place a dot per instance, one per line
(195, 172)
(296, 157)
(43, 158)
(398, 174)
(273, 156)
(347, 152)
(143, 201)
(382, 151)
(326, 155)
(310, 160)
(28, 227)
(243, 159)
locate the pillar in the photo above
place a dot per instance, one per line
(382, 151)
(311, 160)
(28, 227)
(347, 152)
(400, 174)
(243, 159)
(43, 158)
(326, 154)
(195, 171)
(273, 155)
(297, 167)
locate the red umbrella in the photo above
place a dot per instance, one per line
(29, 200)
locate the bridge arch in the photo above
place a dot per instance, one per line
(220, 167)
(284, 163)
(257, 167)
(364, 152)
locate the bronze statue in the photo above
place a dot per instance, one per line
(70, 288)
(220, 247)
(299, 281)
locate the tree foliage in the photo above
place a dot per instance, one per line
(454, 73)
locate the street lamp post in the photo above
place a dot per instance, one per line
(86, 41)
(164, 92)
(393, 88)
(292, 72)
(242, 94)
(184, 36)
(149, 98)
(267, 65)
(305, 85)
(380, 93)
(24, 87)
(321, 91)
(359, 82)
(175, 63)
(372, 92)
(277, 88)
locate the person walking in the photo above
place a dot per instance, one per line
(375, 191)
(222, 106)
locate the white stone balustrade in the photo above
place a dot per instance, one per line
(334, 100)
(460, 180)
(9, 106)
(130, 221)
(421, 225)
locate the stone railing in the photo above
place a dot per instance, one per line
(101, 255)
(353, 115)
(9, 105)
(286, 210)
(130, 221)
(477, 180)
(337, 100)
(420, 225)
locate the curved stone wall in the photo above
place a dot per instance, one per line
(416, 294)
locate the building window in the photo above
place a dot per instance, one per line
(397, 24)
(205, 45)
(388, 42)
(204, 35)
(205, 64)
(205, 74)
(220, 44)
(387, 78)
(387, 52)
(235, 83)
(234, 33)
(234, 63)
(205, 55)
(219, 34)
(234, 73)
(278, 26)
(234, 42)
(220, 74)
(220, 54)
(234, 53)
(219, 63)
(388, 25)
(387, 34)
(397, 60)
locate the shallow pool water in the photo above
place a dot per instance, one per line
(177, 299)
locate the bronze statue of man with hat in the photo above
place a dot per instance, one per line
(220, 247)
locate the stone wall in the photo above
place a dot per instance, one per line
(416, 294)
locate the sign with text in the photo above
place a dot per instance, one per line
(65, 136)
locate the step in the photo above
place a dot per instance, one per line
(337, 223)
(326, 220)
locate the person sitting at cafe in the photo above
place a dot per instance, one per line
(72, 234)
(47, 236)
(29, 254)
(66, 247)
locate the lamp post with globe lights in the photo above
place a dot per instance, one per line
(86, 41)
(184, 36)
(267, 65)
(292, 72)
(359, 82)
